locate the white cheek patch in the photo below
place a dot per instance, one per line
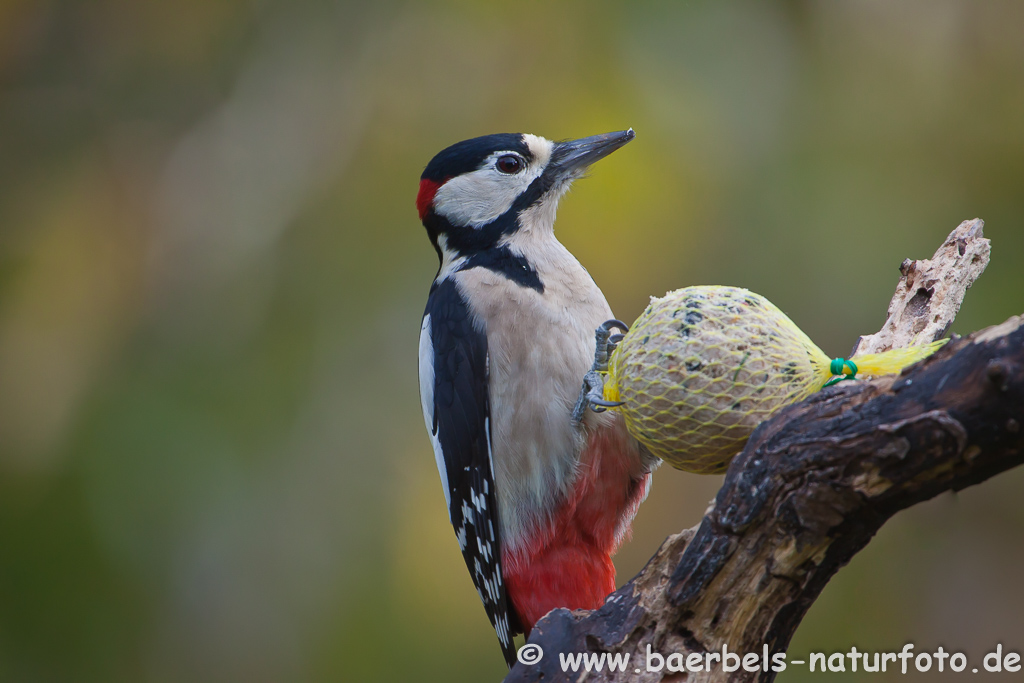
(477, 198)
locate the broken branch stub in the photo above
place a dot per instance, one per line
(930, 291)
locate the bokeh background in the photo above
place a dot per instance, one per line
(212, 459)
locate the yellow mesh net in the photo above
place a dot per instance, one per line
(703, 366)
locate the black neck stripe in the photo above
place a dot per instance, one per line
(502, 261)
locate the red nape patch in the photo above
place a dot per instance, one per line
(428, 188)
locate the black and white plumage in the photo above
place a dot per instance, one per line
(456, 408)
(537, 503)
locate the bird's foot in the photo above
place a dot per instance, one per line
(592, 392)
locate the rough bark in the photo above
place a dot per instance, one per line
(812, 487)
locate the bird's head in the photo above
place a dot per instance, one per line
(480, 191)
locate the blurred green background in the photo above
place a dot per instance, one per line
(213, 465)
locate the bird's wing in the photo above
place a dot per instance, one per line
(456, 408)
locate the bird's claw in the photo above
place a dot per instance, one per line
(606, 342)
(592, 392)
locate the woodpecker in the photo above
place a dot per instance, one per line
(539, 501)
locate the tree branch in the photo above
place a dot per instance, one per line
(812, 487)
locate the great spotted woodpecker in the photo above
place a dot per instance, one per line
(539, 502)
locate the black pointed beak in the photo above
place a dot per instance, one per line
(571, 158)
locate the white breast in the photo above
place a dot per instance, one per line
(539, 346)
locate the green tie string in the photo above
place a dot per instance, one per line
(841, 366)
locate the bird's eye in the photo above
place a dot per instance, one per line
(509, 163)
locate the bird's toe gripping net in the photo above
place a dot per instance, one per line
(592, 391)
